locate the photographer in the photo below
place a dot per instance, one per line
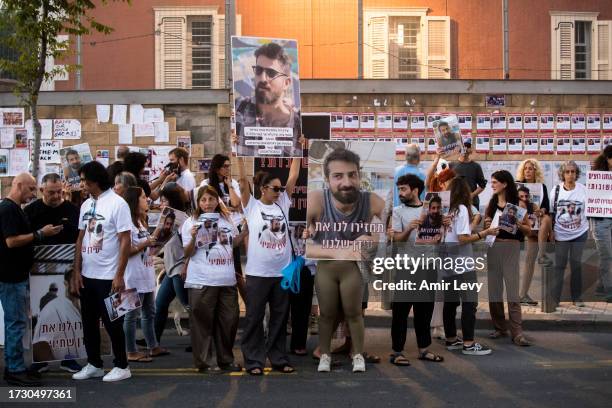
(176, 171)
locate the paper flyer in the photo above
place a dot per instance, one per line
(578, 122)
(531, 121)
(66, 129)
(530, 143)
(547, 122)
(337, 121)
(465, 121)
(400, 121)
(500, 143)
(593, 122)
(578, 144)
(119, 304)
(594, 144)
(607, 121)
(564, 144)
(483, 122)
(351, 122)
(547, 143)
(515, 122)
(367, 122)
(483, 143)
(384, 121)
(12, 117)
(498, 121)
(432, 117)
(564, 123)
(120, 114)
(515, 143)
(417, 121)
(419, 140)
(46, 129)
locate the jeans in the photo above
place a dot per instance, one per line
(168, 290)
(572, 250)
(147, 316)
(14, 298)
(602, 233)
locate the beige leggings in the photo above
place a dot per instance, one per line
(339, 283)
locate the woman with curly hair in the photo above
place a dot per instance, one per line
(530, 171)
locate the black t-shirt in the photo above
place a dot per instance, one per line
(39, 214)
(16, 262)
(472, 173)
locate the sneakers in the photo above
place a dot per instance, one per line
(324, 363)
(527, 301)
(476, 349)
(22, 379)
(454, 345)
(87, 372)
(358, 364)
(117, 374)
(71, 366)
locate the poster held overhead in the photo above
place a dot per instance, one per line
(448, 137)
(266, 87)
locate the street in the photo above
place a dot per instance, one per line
(570, 369)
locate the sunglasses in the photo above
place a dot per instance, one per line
(270, 73)
(276, 189)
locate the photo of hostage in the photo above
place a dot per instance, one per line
(342, 202)
(266, 96)
(431, 223)
(448, 137)
(71, 171)
(507, 221)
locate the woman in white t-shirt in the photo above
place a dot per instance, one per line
(220, 178)
(458, 241)
(269, 252)
(140, 274)
(208, 237)
(570, 230)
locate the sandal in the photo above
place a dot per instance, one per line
(139, 358)
(497, 334)
(256, 371)
(429, 356)
(285, 369)
(399, 359)
(159, 351)
(234, 368)
(521, 341)
(370, 358)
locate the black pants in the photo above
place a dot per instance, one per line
(301, 304)
(237, 261)
(92, 309)
(469, 303)
(399, 323)
(261, 291)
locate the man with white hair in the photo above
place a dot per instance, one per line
(413, 158)
(17, 239)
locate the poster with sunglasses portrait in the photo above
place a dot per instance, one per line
(266, 87)
(349, 183)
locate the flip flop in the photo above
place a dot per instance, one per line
(370, 358)
(161, 352)
(285, 369)
(255, 371)
(435, 358)
(521, 341)
(399, 359)
(140, 359)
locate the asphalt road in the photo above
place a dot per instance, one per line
(563, 369)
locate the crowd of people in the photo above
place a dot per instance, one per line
(228, 219)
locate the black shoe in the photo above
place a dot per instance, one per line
(141, 342)
(188, 349)
(37, 375)
(23, 379)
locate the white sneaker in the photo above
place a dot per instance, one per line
(358, 364)
(88, 371)
(324, 364)
(117, 374)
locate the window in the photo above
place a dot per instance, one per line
(581, 46)
(200, 61)
(189, 47)
(406, 44)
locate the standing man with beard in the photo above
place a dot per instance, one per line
(270, 107)
(339, 283)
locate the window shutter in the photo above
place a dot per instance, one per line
(377, 62)
(219, 45)
(564, 68)
(602, 50)
(173, 53)
(436, 46)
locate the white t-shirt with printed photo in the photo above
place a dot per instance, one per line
(212, 263)
(102, 220)
(269, 249)
(570, 218)
(139, 272)
(403, 215)
(235, 216)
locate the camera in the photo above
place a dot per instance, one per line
(174, 168)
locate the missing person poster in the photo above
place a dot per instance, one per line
(564, 143)
(607, 121)
(170, 222)
(417, 121)
(579, 144)
(563, 122)
(120, 303)
(384, 121)
(536, 192)
(73, 157)
(593, 122)
(483, 122)
(448, 137)
(57, 328)
(435, 206)
(515, 122)
(510, 216)
(367, 122)
(530, 121)
(348, 177)
(530, 143)
(515, 143)
(547, 122)
(400, 121)
(267, 102)
(337, 120)
(547, 143)
(599, 194)
(498, 121)
(432, 117)
(419, 140)
(578, 122)
(465, 121)
(483, 143)
(400, 146)
(500, 143)
(594, 143)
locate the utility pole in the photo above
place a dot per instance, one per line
(506, 39)
(360, 39)
(230, 29)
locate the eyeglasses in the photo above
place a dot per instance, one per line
(270, 73)
(276, 189)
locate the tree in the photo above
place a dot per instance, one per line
(34, 27)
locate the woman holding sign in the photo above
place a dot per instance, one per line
(268, 253)
(503, 256)
(570, 231)
(211, 281)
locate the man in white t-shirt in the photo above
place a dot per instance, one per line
(179, 163)
(102, 252)
(405, 223)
